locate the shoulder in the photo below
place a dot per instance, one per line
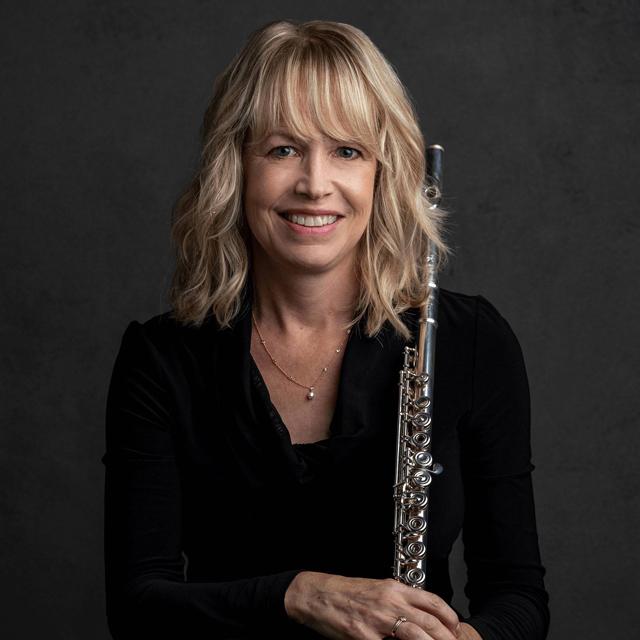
(473, 330)
(474, 313)
(157, 330)
(457, 309)
(466, 306)
(491, 348)
(165, 328)
(464, 315)
(162, 339)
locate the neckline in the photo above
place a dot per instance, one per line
(281, 428)
(277, 419)
(360, 359)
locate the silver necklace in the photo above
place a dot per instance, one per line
(311, 389)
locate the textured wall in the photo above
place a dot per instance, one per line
(537, 106)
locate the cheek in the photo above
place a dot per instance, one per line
(363, 190)
(252, 190)
(253, 206)
(264, 188)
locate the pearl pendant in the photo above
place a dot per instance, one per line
(311, 395)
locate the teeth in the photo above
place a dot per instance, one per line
(311, 221)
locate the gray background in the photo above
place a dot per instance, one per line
(537, 106)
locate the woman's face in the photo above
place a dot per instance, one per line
(307, 203)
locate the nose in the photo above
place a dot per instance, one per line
(315, 179)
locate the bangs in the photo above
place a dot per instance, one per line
(312, 89)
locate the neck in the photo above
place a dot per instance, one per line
(295, 303)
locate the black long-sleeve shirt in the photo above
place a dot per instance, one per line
(210, 510)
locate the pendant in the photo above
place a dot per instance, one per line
(311, 395)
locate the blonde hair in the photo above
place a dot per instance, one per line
(315, 76)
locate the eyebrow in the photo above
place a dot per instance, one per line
(287, 134)
(278, 132)
(282, 132)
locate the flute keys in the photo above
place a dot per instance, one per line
(417, 524)
(415, 550)
(421, 439)
(421, 420)
(421, 478)
(421, 379)
(423, 458)
(420, 500)
(415, 577)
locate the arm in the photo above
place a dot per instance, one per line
(507, 597)
(147, 595)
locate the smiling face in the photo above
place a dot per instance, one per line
(307, 202)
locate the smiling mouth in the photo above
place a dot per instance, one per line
(309, 221)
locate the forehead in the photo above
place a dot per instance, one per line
(308, 104)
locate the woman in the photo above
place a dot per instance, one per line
(251, 430)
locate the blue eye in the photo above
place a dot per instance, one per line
(275, 151)
(287, 151)
(352, 152)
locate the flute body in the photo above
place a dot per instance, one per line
(414, 463)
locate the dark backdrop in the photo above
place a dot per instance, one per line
(537, 106)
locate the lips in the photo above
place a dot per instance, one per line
(310, 212)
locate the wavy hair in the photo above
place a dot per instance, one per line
(315, 76)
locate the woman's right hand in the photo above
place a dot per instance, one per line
(365, 609)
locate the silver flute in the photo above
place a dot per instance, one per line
(414, 462)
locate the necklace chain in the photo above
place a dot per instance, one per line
(311, 394)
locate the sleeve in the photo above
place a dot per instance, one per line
(147, 595)
(505, 586)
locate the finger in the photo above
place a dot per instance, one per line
(432, 626)
(422, 626)
(435, 606)
(410, 631)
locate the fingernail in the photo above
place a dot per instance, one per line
(458, 629)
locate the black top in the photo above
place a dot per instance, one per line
(210, 511)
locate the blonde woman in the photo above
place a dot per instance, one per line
(251, 429)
